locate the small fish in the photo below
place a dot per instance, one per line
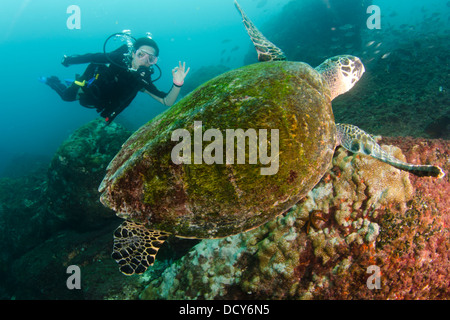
(234, 49)
(370, 43)
(386, 55)
(378, 45)
(226, 40)
(346, 27)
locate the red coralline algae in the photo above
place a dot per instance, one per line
(366, 231)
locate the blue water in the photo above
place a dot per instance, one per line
(34, 37)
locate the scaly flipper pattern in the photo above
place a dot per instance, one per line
(135, 247)
(267, 51)
(356, 140)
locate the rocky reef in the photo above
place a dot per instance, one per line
(76, 170)
(366, 231)
(405, 94)
(363, 216)
(52, 217)
(404, 91)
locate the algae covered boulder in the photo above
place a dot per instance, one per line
(76, 170)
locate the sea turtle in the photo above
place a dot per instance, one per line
(162, 186)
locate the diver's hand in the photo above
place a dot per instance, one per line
(179, 73)
(65, 61)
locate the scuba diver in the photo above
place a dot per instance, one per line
(112, 80)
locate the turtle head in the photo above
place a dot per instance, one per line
(341, 73)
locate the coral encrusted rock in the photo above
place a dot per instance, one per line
(77, 169)
(366, 231)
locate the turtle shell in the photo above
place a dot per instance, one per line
(216, 200)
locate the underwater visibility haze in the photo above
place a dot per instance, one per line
(192, 31)
(363, 216)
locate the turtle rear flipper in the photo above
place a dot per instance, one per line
(356, 140)
(135, 247)
(267, 51)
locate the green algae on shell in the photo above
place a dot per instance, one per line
(216, 200)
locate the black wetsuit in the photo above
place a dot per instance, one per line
(108, 87)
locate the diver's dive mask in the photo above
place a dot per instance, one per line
(142, 54)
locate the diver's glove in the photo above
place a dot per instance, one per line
(65, 61)
(179, 73)
(68, 60)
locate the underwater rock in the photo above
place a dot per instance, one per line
(363, 215)
(20, 201)
(440, 128)
(76, 171)
(34, 208)
(405, 90)
(41, 273)
(402, 96)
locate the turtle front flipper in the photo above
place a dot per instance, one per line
(135, 247)
(267, 51)
(356, 140)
